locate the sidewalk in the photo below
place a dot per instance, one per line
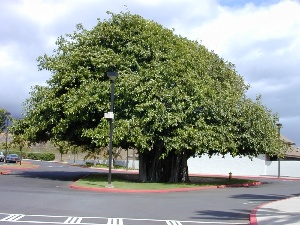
(283, 212)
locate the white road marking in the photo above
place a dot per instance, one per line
(114, 221)
(246, 203)
(73, 220)
(13, 217)
(173, 222)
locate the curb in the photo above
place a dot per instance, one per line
(4, 172)
(256, 183)
(252, 217)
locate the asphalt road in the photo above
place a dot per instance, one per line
(43, 196)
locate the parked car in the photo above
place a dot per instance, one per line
(12, 158)
(2, 157)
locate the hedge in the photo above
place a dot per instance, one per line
(41, 156)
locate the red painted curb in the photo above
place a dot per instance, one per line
(253, 219)
(5, 172)
(241, 185)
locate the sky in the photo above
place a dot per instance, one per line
(261, 37)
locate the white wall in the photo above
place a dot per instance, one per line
(132, 164)
(287, 168)
(243, 166)
(223, 166)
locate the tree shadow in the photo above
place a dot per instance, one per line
(263, 198)
(276, 216)
(243, 214)
(234, 215)
(58, 175)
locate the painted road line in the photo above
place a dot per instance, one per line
(114, 221)
(173, 222)
(13, 217)
(73, 220)
(32, 219)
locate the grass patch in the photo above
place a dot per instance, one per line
(24, 165)
(130, 181)
(89, 164)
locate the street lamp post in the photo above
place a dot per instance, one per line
(110, 116)
(6, 134)
(279, 125)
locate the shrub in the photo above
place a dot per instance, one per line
(41, 156)
(89, 164)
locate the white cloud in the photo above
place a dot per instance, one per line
(42, 12)
(239, 28)
(6, 58)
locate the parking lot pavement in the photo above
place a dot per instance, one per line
(42, 219)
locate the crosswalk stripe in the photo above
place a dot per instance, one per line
(73, 220)
(13, 217)
(173, 222)
(114, 221)
(68, 220)
(76, 220)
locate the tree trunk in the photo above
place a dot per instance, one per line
(172, 168)
(142, 167)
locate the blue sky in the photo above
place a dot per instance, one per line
(260, 37)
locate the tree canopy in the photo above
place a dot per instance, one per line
(4, 116)
(174, 99)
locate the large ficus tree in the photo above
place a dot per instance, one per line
(174, 99)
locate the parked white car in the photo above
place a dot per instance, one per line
(2, 157)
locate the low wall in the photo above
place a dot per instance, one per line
(243, 166)
(132, 164)
(287, 168)
(223, 166)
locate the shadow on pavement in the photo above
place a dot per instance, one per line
(223, 215)
(55, 175)
(275, 216)
(262, 198)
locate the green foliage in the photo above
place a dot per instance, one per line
(41, 156)
(172, 94)
(89, 164)
(19, 137)
(4, 116)
(62, 147)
